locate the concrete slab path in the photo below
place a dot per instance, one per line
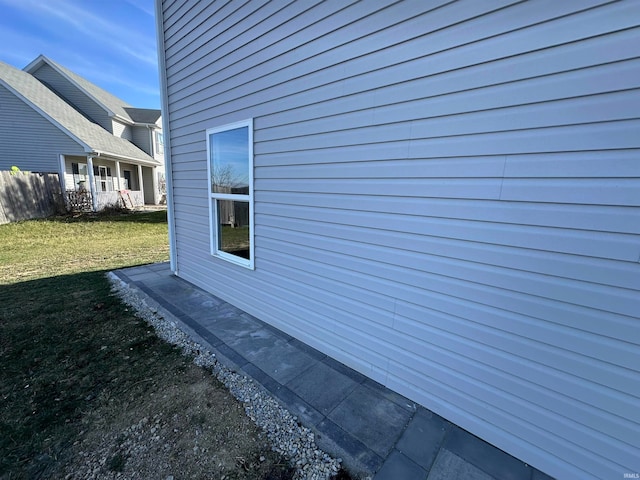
(377, 433)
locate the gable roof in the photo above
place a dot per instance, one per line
(113, 105)
(91, 136)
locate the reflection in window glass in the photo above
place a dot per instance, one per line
(230, 169)
(229, 152)
(159, 142)
(233, 228)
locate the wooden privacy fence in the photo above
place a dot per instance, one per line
(25, 195)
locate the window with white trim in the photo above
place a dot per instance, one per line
(230, 167)
(80, 175)
(159, 142)
(104, 180)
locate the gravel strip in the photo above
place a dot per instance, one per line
(285, 434)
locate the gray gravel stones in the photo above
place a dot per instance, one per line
(286, 435)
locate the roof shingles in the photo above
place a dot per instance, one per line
(109, 101)
(93, 137)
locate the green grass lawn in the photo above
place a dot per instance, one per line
(78, 367)
(65, 341)
(235, 240)
(64, 245)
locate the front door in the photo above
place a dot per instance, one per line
(127, 180)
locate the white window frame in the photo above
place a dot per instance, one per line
(103, 179)
(81, 176)
(159, 138)
(214, 197)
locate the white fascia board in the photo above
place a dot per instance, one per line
(35, 63)
(151, 125)
(121, 119)
(132, 160)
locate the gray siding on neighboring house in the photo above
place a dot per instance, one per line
(122, 130)
(74, 96)
(28, 140)
(142, 138)
(446, 199)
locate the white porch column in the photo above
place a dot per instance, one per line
(92, 183)
(156, 190)
(118, 185)
(63, 183)
(141, 181)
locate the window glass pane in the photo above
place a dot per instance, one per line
(159, 142)
(230, 161)
(80, 176)
(233, 228)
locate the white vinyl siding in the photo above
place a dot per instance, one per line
(71, 178)
(122, 130)
(446, 199)
(28, 140)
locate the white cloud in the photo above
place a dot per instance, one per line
(89, 26)
(111, 44)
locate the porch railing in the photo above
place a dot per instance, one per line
(79, 200)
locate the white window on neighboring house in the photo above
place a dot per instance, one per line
(103, 179)
(80, 176)
(159, 142)
(230, 167)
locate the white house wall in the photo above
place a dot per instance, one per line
(114, 199)
(28, 140)
(446, 199)
(122, 130)
(74, 96)
(135, 183)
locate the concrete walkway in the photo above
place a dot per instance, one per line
(376, 432)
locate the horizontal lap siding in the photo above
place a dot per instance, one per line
(28, 140)
(141, 137)
(121, 130)
(453, 214)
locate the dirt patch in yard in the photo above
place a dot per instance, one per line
(181, 425)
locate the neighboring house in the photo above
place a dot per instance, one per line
(442, 195)
(57, 122)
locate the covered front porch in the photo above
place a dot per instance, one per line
(93, 183)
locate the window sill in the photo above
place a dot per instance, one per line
(243, 262)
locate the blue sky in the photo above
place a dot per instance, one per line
(111, 43)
